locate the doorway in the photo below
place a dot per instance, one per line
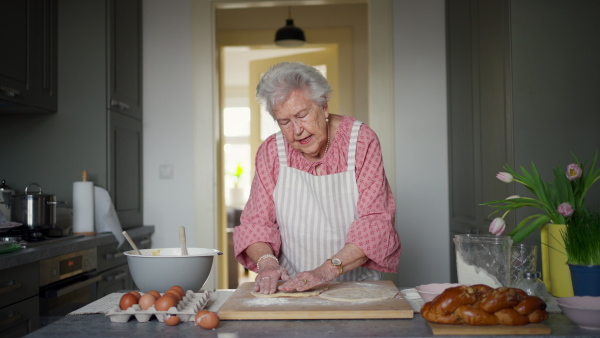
(245, 125)
(243, 55)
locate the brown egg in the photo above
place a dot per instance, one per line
(179, 288)
(171, 295)
(155, 293)
(172, 320)
(136, 294)
(174, 293)
(179, 292)
(147, 300)
(164, 303)
(206, 319)
(127, 301)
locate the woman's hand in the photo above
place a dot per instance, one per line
(269, 275)
(310, 279)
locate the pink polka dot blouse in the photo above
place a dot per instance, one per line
(373, 232)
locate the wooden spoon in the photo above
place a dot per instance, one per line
(135, 249)
(182, 241)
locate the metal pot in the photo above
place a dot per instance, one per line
(34, 209)
(5, 196)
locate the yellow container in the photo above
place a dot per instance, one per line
(556, 274)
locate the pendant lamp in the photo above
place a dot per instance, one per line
(289, 35)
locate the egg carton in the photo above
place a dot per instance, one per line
(186, 309)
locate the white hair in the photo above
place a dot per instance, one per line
(283, 78)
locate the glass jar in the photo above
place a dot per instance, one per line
(532, 284)
(483, 259)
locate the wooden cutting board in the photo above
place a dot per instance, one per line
(468, 330)
(243, 305)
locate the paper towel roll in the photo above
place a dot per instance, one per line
(83, 208)
(106, 217)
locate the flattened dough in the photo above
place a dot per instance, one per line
(293, 294)
(358, 295)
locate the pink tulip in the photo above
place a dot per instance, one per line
(497, 226)
(573, 171)
(505, 177)
(565, 209)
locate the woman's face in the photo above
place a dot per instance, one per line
(302, 122)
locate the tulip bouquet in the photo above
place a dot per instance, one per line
(558, 200)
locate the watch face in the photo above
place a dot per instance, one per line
(336, 261)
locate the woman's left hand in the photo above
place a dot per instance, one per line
(310, 279)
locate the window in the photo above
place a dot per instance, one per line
(236, 128)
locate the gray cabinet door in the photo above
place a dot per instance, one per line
(125, 167)
(125, 61)
(28, 61)
(114, 280)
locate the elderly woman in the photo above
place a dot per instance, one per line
(320, 208)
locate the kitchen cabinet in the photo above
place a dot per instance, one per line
(124, 78)
(125, 167)
(20, 319)
(113, 268)
(125, 61)
(19, 302)
(97, 63)
(114, 280)
(28, 61)
(514, 77)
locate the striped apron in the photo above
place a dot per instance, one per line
(314, 214)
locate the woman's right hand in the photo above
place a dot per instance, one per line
(268, 277)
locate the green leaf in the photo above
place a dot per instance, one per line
(534, 225)
(521, 224)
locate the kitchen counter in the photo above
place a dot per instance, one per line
(29, 255)
(99, 325)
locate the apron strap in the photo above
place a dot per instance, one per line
(281, 149)
(352, 147)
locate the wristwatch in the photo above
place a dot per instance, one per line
(337, 262)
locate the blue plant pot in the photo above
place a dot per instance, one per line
(586, 279)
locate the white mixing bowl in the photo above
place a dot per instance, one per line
(160, 269)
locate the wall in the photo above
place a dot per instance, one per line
(168, 120)
(421, 141)
(179, 123)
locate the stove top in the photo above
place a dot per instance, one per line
(48, 240)
(30, 238)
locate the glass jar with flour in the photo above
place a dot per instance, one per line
(483, 259)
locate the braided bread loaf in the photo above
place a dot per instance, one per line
(483, 305)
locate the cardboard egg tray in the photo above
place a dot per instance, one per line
(186, 309)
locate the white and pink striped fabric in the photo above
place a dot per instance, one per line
(314, 214)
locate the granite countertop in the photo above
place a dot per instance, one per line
(35, 254)
(98, 325)
(94, 324)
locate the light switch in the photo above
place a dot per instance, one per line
(165, 171)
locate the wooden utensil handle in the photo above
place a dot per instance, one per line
(182, 241)
(135, 249)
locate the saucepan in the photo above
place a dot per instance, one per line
(34, 208)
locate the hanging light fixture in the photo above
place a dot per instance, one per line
(289, 35)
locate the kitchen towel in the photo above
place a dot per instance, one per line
(83, 208)
(105, 215)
